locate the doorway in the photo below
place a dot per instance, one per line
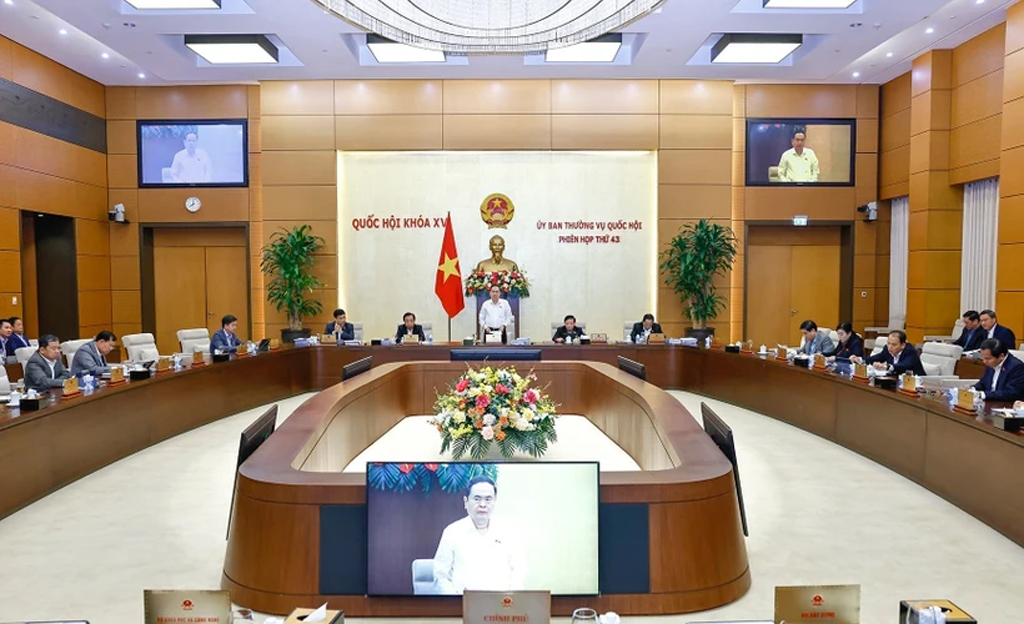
(794, 274)
(199, 275)
(49, 264)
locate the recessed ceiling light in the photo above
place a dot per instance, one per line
(888, 55)
(808, 4)
(930, 30)
(141, 75)
(63, 31)
(105, 55)
(170, 5)
(387, 51)
(979, 2)
(8, 1)
(601, 50)
(233, 49)
(754, 48)
(856, 74)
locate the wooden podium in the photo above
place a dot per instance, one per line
(513, 302)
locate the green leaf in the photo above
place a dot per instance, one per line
(287, 261)
(690, 263)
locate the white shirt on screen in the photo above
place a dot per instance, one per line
(192, 169)
(469, 559)
(496, 314)
(798, 168)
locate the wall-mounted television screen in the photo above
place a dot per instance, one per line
(207, 153)
(801, 152)
(440, 529)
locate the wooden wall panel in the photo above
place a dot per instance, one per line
(497, 97)
(694, 202)
(497, 132)
(597, 97)
(597, 132)
(978, 99)
(696, 97)
(694, 166)
(218, 205)
(35, 71)
(302, 168)
(802, 101)
(387, 97)
(980, 56)
(121, 137)
(6, 51)
(298, 132)
(387, 133)
(303, 97)
(696, 131)
(44, 154)
(10, 229)
(208, 102)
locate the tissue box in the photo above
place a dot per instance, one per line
(333, 617)
(139, 375)
(954, 614)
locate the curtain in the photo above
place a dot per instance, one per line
(899, 250)
(981, 227)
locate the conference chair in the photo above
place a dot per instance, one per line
(5, 383)
(192, 340)
(140, 347)
(428, 329)
(1019, 354)
(23, 354)
(869, 344)
(357, 331)
(423, 581)
(627, 331)
(940, 358)
(958, 329)
(895, 322)
(70, 347)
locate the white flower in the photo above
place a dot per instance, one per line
(487, 433)
(523, 425)
(489, 420)
(528, 414)
(459, 417)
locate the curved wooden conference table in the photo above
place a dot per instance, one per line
(964, 459)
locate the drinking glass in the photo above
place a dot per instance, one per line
(584, 616)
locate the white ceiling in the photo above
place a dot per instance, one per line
(677, 38)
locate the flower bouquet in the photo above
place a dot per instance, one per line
(495, 406)
(512, 283)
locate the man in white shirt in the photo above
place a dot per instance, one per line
(496, 316)
(476, 552)
(192, 165)
(798, 164)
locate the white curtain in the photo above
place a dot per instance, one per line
(899, 253)
(981, 228)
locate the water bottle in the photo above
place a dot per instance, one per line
(15, 399)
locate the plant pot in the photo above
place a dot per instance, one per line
(288, 336)
(700, 334)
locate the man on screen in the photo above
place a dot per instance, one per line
(478, 552)
(192, 165)
(798, 164)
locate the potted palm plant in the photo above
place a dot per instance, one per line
(694, 257)
(287, 261)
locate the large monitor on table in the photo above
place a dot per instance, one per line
(801, 152)
(440, 529)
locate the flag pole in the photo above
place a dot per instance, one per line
(449, 329)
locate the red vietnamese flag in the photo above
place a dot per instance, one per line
(448, 284)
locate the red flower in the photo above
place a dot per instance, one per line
(405, 468)
(501, 389)
(431, 467)
(483, 401)
(462, 385)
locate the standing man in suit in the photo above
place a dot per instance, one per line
(973, 335)
(18, 337)
(568, 331)
(898, 357)
(1004, 374)
(44, 369)
(92, 357)
(993, 330)
(409, 326)
(224, 339)
(6, 343)
(815, 341)
(644, 329)
(340, 329)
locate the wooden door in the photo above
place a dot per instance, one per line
(814, 291)
(227, 288)
(179, 274)
(768, 291)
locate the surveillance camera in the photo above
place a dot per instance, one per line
(870, 211)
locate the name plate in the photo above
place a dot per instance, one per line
(183, 606)
(838, 604)
(328, 339)
(964, 401)
(411, 339)
(242, 350)
(518, 607)
(71, 386)
(820, 362)
(656, 339)
(492, 338)
(910, 384)
(860, 371)
(116, 375)
(163, 364)
(275, 343)
(197, 358)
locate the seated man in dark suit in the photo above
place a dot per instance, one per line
(568, 330)
(897, 358)
(92, 357)
(44, 369)
(18, 337)
(644, 329)
(340, 329)
(973, 335)
(409, 326)
(993, 330)
(1004, 374)
(225, 340)
(6, 340)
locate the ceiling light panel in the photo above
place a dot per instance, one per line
(233, 49)
(754, 49)
(601, 50)
(387, 51)
(808, 4)
(173, 5)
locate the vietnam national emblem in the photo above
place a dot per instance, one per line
(497, 211)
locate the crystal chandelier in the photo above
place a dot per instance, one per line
(490, 26)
